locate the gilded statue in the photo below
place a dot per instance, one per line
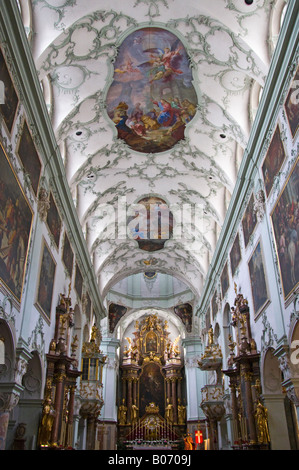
(134, 413)
(189, 443)
(128, 349)
(122, 413)
(48, 415)
(211, 336)
(181, 413)
(94, 332)
(169, 412)
(261, 415)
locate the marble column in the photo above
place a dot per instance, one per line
(174, 399)
(9, 398)
(129, 399)
(278, 426)
(109, 347)
(91, 432)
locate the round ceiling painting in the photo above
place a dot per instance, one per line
(151, 98)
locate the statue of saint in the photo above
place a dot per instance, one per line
(94, 332)
(181, 413)
(122, 413)
(134, 413)
(262, 424)
(48, 416)
(189, 444)
(169, 412)
(211, 336)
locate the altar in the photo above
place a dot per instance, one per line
(151, 412)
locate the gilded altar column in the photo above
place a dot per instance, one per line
(174, 399)
(179, 388)
(234, 402)
(70, 424)
(124, 388)
(135, 384)
(129, 400)
(59, 382)
(168, 388)
(246, 375)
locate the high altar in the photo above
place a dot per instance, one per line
(151, 406)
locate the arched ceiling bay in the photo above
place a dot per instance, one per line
(75, 45)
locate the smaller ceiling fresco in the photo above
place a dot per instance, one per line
(152, 224)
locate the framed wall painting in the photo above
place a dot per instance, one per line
(78, 281)
(273, 161)
(54, 221)
(235, 255)
(46, 281)
(184, 312)
(67, 255)
(214, 305)
(115, 313)
(224, 280)
(87, 305)
(29, 157)
(16, 218)
(258, 279)
(249, 221)
(292, 105)
(9, 107)
(208, 319)
(285, 220)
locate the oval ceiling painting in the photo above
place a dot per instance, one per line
(152, 224)
(151, 98)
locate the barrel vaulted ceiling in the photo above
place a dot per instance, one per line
(75, 46)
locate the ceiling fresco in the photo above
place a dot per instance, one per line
(151, 99)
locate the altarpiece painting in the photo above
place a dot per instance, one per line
(78, 281)
(29, 157)
(67, 255)
(285, 220)
(273, 161)
(292, 105)
(235, 255)
(224, 280)
(249, 221)
(54, 221)
(46, 281)
(15, 228)
(9, 107)
(258, 279)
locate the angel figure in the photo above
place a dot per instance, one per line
(163, 63)
(128, 349)
(175, 350)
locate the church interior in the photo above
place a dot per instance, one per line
(149, 225)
